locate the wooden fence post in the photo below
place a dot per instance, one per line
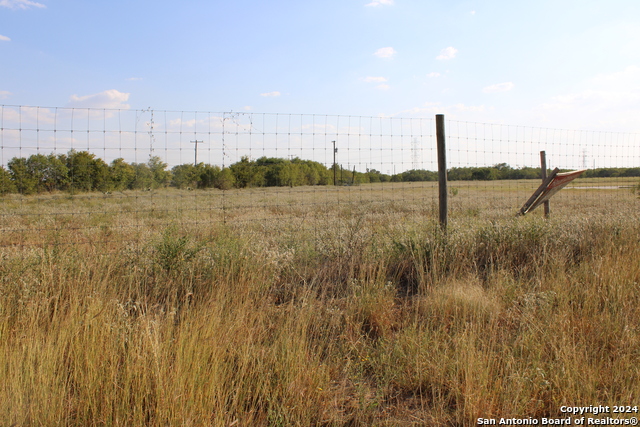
(543, 168)
(442, 170)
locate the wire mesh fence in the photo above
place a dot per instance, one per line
(82, 175)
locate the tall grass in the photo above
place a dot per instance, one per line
(384, 320)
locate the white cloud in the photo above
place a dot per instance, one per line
(272, 94)
(434, 74)
(4, 94)
(608, 101)
(468, 108)
(247, 108)
(134, 79)
(499, 87)
(180, 124)
(4, 38)
(385, 52)
(376, 3)
(30, 115)
(621, 80)
(447, 53)
(383, 87)
(473, 12)
(370, 79)
(20, 4)
(456, 111)
(108, 99)
(319, 128)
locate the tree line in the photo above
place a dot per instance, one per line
(82, 171)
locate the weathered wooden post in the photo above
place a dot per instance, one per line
(442, 170)
(335, 150)
(543, 168)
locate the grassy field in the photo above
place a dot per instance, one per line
(317, 306)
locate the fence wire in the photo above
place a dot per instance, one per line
(87, 176)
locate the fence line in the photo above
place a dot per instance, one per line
(137, 162)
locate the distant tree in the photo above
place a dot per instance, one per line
(210, 176)
(631, 172)
(267, 161)
(49, 172)
(248, 174)
(82, 170)
(504, 171)
(268, 167)
(187, 175)
(6, 184)
(161, 176)
(24, 182)
(419, 175)
(57, 173)
(484, 174)
(315, 173)
(360, 178)
(373, 176)
(336, 170)
(459, 174)
(101, 176)
(288, 174)
(527, 173)
(377, 176)
(225, 180)
(143, 177)
(122, 174)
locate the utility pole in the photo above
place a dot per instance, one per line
(335, 150)
(196, 159)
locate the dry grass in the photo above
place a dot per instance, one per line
(254, 309)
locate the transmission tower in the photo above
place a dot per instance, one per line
(415, 154)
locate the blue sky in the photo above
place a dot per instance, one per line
(561, 63)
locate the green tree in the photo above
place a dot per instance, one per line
(87, 172)
(459, 174)
(247, 173)
(49, 172)
(525, 173)
(122, 174)
(209, 176)
(6, 184)
(187, 175)
(215, 177)
(101, 176)
(288, 174)
(631, 172)
(24, 182)
(315, 173)
(226, 180)
(419, 175)
(270, 168)
(143, 177)
(504, 170)
(484, 174)
(161, 176)
(81, 165)
(377, 176)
